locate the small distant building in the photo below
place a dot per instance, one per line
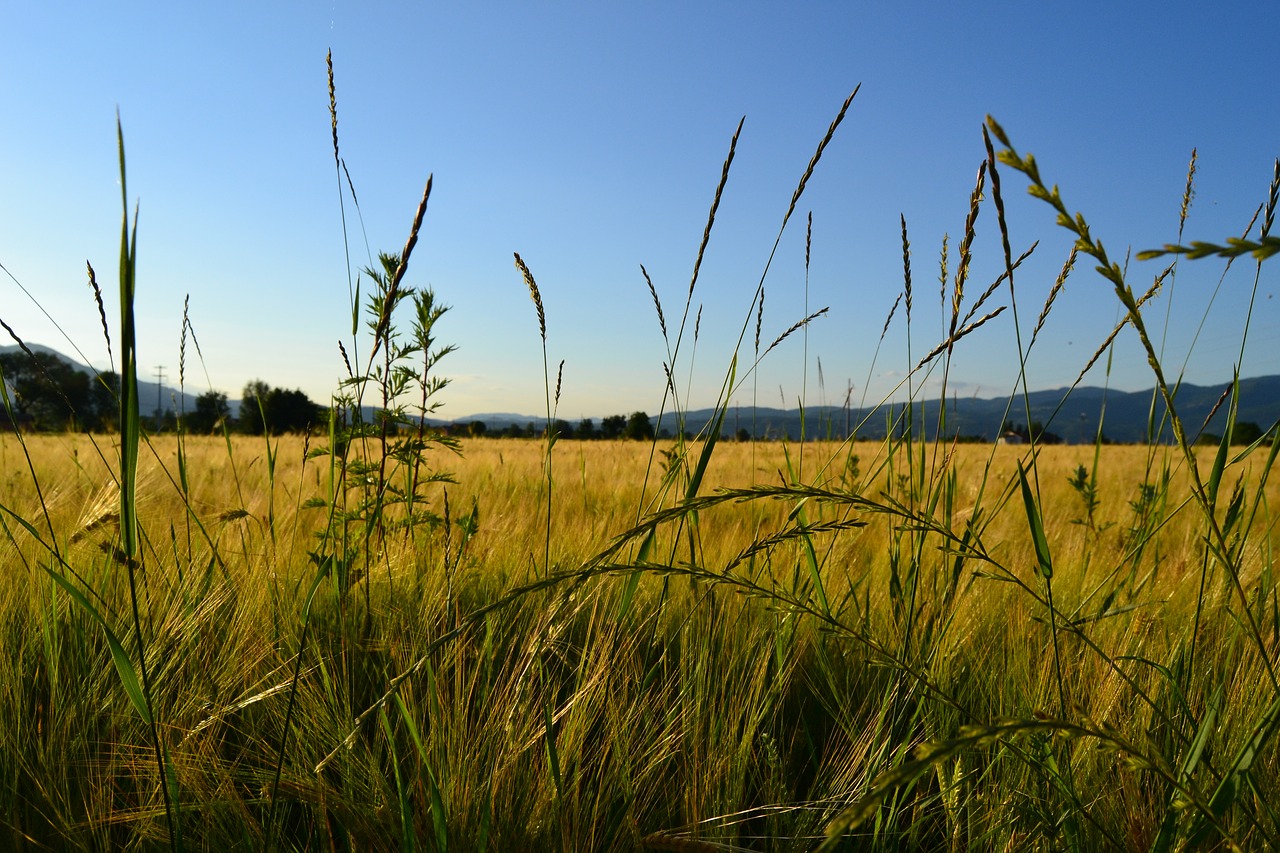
(1010, 437)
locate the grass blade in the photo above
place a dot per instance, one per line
(1228, 790)
(119, 657)
(1043, 559)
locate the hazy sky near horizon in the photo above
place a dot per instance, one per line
(589, 138)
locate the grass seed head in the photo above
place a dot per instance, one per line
(534, 294)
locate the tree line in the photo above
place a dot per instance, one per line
(46, 393)
(50, 394)
(636, 426)
(263, 409)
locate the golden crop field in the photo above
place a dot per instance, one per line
(762, 657)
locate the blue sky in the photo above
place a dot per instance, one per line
(589, 137)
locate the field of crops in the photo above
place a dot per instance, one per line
(853, 642)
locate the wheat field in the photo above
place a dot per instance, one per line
(706, 689)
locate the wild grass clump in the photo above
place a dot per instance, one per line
(366, 638)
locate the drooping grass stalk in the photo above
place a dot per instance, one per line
(1111, 271)
(1033, 502)
(1204, 491)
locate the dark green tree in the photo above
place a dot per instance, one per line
(1246, 432)
(211, 410)
(293, 411)
(613, 426)
(50, 393)
(639, 427)
(104, 400)
(587, 429)
(277, 410)
(253, 404)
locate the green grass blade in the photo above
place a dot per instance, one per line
(633, 582)
(1236, 778)
(1043, 559)
(553, 753)
(439, 817)
(407, 839)
(130, 431)
(124, 666)
(1220, 459)
(1168, 829)
(130, 426)
(704, 458)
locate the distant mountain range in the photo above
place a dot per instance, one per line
(1073, 417)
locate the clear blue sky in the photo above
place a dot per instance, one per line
(589, 137)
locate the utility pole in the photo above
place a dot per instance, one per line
(159, 394)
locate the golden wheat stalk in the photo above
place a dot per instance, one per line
(670, 843)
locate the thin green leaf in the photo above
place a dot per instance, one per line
(1229, 788)
(124, 666)
(1043, 559)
